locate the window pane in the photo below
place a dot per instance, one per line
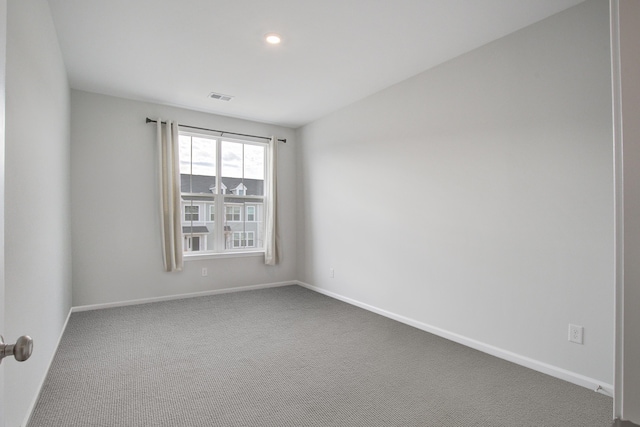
(197, 165)
(197, 184)
(243, 168)
(185, 154)
(244, 216)
(203, 155)
(231, 159)
(254, 170)
(254, 161)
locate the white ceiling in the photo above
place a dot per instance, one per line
(333, 52)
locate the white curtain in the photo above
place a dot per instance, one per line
(168, 144)
(272, 239)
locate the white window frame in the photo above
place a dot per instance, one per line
(251, 217)
(184, 217)
(244, 237)
(211, 211)
(233, 213)
(219, 191)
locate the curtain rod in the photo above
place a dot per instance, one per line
(222, 132)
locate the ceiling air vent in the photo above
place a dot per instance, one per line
(220, 96)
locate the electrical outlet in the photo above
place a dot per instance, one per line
(576, 334)
(204, 271)
(331, 272)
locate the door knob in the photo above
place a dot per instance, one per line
(21, 350)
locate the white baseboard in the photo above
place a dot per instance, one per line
(179, 296)
(527, 362)
(46, 372)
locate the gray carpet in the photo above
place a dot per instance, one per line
(288, 357)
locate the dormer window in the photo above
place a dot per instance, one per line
(214, 189)
(240, 190)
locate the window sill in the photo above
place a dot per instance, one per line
(197, 257)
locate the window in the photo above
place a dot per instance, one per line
(243, 239)
(214, 189)
(222, 178)
(232, 213)
(191, 213)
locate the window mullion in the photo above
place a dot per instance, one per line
(220, 214)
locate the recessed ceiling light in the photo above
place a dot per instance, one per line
(273, 38)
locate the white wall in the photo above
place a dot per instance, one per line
(476, 197)
(37, 198)
(627, 96)
(116, 238)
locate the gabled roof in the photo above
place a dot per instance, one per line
(204, 184)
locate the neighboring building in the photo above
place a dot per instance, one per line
(242, 213)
